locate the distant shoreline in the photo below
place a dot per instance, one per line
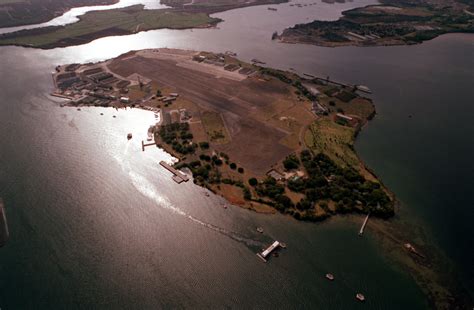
(394, 22)
(122, 21)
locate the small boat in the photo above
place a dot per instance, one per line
(129, 136)
(360, 297)
(330, 276)
(260, 229)
(364, 89)
(283, 245)
(256, 61)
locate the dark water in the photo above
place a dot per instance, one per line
(95, 222)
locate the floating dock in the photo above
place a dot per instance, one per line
(178, 177)
(268, 251)
(4, 234)
(361, 231)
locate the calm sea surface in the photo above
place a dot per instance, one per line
(97, 223)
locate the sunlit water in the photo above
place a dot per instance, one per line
(103, 225)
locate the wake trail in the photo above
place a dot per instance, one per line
(146, 188)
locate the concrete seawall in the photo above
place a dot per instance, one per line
(3, 225)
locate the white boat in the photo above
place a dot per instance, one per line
(330, 276)
(360, 297)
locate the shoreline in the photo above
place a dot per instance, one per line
(391, 23)
(60, 12)
(188, 12)
(392, 236)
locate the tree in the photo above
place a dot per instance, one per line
(247, 193)
(253, 181)
(204, 145)
(291, 162)
(240, 170)
(233, 166)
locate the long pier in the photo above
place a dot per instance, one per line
(268, 251)
(361, 231)
(360, 88)
(4, 234)
(178, 177)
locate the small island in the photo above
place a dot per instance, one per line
(394, 22)
(264, 139)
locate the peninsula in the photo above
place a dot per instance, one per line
(262, 138)
(394, 22)
(124, 21)
(26, 12)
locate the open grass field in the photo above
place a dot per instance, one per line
(336, 141)
(111, 22)
(215, 127)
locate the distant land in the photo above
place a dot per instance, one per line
(394, 22)
(97, 24)
(264, 139)
(27, 12)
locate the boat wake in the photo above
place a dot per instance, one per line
(147, 189)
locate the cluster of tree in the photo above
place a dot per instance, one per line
(345, 186)
(325, 181)
(291, 162)
(178, 136)
(282, 76)
(214, 159)
(202, 172)
(233, 166)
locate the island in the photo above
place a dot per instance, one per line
(22, 12)
(124, 21)
(393, 22)
(264, 139)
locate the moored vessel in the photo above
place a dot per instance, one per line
(360, 297)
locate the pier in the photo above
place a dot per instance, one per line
(147, 144)
(361, 231)
(178, 177)
(4, 234)
(360, 88)
(268, 251)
